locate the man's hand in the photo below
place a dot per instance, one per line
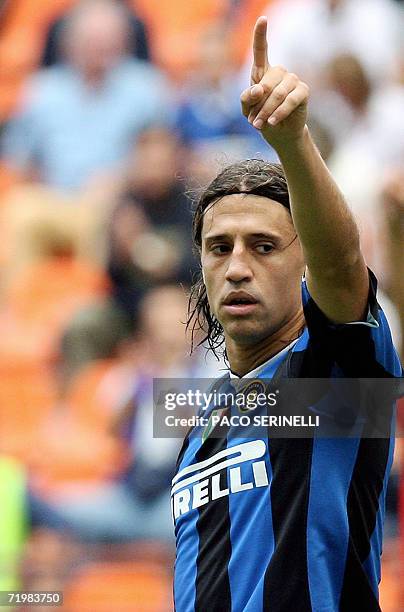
(276, 102)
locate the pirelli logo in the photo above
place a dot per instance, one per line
(199, 483)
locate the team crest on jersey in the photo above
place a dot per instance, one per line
(249, 395)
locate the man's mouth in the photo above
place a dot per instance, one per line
(240, 304)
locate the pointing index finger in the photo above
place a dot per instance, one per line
(260, 46)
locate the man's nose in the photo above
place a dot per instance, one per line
(238, 267)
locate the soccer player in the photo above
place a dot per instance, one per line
(282, 525)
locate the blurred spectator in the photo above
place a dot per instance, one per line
(306, 34)
(136, 506)
(47, 280)
(138, 44)
(369, 137)
(80, 118)
(24, 26)
(93, 333)
(151, 226)
(209, 108)
(367, 117)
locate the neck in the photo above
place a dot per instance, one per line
(94, 78)
(244, 358)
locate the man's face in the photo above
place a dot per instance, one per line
(97, 41)
(252, 265)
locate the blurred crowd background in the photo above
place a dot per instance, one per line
(111, 112)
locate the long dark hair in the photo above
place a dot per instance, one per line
(251, 176)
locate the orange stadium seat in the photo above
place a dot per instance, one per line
(41, 300)
(27, 396)
(22, 36)
(47, 289)
(77, 443)
(175, 29)
(121, 587)
(70, 455)
(96, 393)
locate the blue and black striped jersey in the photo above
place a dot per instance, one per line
(279, 525)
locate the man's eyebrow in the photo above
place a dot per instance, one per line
(266, 236)
(211, 237)
(256, 235)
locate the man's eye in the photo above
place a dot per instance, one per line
(219, 249)
(264, 248)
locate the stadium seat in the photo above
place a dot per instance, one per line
(40, 301)
(70, 455)
(77, 444)
(27, 396)
(120, 586)
(175, 28)
(22, 36)
(95, 395)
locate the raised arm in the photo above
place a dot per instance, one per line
(276, 104)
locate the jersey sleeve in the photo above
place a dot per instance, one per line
(359, 348)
